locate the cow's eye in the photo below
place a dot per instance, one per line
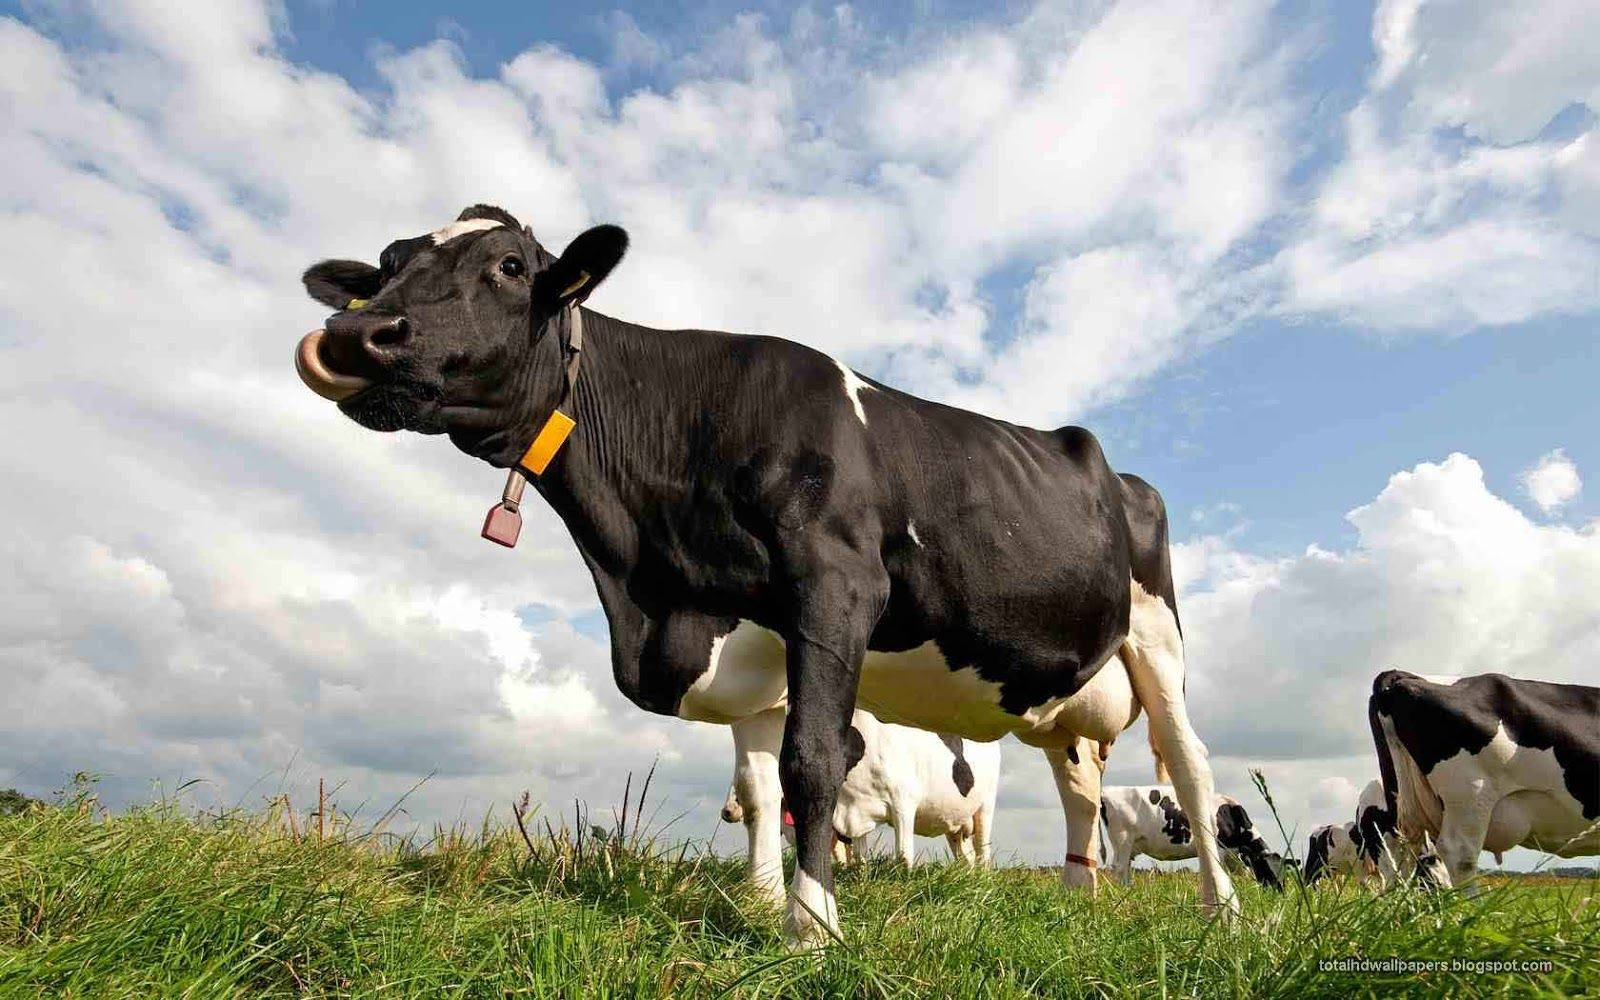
(512, 267)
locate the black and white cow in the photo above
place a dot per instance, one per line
(920, 783)
(1145, 820)
(766, 527)
(1352, 848)
(1334, 850)
(1487, 763)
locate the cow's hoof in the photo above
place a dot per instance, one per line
(1225, 911)
(805, 933)
(1074, 876)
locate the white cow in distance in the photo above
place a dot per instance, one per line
(920, 783)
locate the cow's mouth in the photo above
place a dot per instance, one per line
(313, 369)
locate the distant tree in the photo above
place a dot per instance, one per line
(13, 802)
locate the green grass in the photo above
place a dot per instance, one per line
(159, 902)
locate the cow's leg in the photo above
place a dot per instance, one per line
(1077, 773)
(982, 852)
(904, 820)
(757, 741)
(839, 601)
(1153, 654)
(961, 847)
(1121, 860)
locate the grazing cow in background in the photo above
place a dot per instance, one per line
(1488, 763)
(1334, 850)
(765, 527)
(1144, 819)
(1375, 832)
(920, 783)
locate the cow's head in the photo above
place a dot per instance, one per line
(1237, 833)
(447, 334)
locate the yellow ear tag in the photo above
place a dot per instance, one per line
(356, 303)
(583, 279)
(547, 442)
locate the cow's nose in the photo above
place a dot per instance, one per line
(364, 343)
(382, 335)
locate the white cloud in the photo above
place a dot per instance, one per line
(1444, 577)
(1452, 207)
(1553, 482)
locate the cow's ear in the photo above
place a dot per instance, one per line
(336, 283)
(586, 262)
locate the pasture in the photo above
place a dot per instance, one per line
(163, 901)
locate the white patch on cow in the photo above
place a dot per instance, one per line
(746, 673)
(461, 227)
(1371, 795)
(852, 387)
(918, 688)
(812, 912)
(1523, 792)
(911, 529)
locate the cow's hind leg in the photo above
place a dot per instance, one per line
(839, 602)
(757, 741)
(1077, 773)
(1153, 653)
(982, 821)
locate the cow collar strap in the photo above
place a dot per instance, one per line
(503, 523)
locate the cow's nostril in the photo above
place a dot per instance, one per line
(391, 333)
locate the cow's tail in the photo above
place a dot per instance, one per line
(1105, 832)
(1412, 803)
(1150, 562)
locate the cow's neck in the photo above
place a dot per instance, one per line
(636, 396)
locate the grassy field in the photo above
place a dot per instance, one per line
(159, 902)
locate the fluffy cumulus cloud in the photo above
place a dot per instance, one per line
(1469, 190)
(1553, 481)
(214, 576)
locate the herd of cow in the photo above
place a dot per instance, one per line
(1521, 773)
(840, 571)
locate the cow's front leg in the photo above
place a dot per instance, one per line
(1077, 773)
(757, 741)
(836, 614)
(1462, 829)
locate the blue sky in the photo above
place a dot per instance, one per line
(1328, 274)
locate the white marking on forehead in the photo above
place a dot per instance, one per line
(911, 528)
(461, 227)
(853, 386)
